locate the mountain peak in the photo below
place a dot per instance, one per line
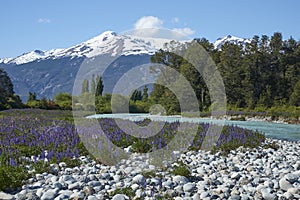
(232, 39)
(107, 35)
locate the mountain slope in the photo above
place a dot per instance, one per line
(106, 43)
(53, 71)
(50, 72)
(232, 39)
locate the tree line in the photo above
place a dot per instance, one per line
(264, 73)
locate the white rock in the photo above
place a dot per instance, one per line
(189, 187)
(77, 195)
(49, 195)
(140, 193)
(284, 184)
(74, 186)
(288, 195)
(120, 197)
(266, 194)
(6, 196)
(293, 190)
(139, 179)
(180, 179)
(134, 187)
(92, 197)
(235, 175)
(196, 196)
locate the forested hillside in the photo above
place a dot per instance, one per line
(262, 73)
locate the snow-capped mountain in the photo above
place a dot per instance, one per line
(106, 43)
(232, 39)
(53, 71)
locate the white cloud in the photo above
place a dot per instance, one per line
(175, 20)
(150, 26)
(44, 21)
(184, 31)
(148, 22)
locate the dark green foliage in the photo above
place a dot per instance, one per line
(85, 86)
(6, 86)
(8, 99)
(136, 95)
(128, 191)
(295, 96)
(93, 84)
(149, 174)
(145, 94)
(12, 177)
(263, 73)
(182, 170)
(100, 86)
(272, 145)
(31, 97)
(64, 101)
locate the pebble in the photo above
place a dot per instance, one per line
(243, 174)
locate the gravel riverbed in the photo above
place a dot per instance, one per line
(261, 173)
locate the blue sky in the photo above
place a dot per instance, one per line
(36, 24)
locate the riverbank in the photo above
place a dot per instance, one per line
(262, 119)
(261, 173)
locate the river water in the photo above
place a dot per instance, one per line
(270, 129)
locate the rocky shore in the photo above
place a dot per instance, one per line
(261, 173)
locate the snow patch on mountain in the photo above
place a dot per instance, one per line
(111, 43)
(232, 39)
(106, 43)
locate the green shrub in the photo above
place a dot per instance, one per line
(11, 178)
(182, 170)
(128, 191)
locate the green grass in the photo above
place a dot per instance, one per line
(182, 170)
(128, 191)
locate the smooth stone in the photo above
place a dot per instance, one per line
(105, 175)
(244, 197)
(180, 179)
(140, 193)
(32, 196)
(62, 164)
(39, 192)
(92, 197)
(77, 195)
(120, 197)
(62, 196)
(65, 192)
(266, 194)
(288, 195)
(293, 190)
(154, 181)
(117, 178)
(189, 187)
(204, 194)
(235, 175)
(139, 179)
(134, 186)
(234, 197)
(284, 184)
(50, 194)
(94, 183)
(179, 189)
(6, 196)
(167, 184)
(88, 190)
(74, 186)
(36, 185)
(178, 198)
(292, 178)
(196, 196)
